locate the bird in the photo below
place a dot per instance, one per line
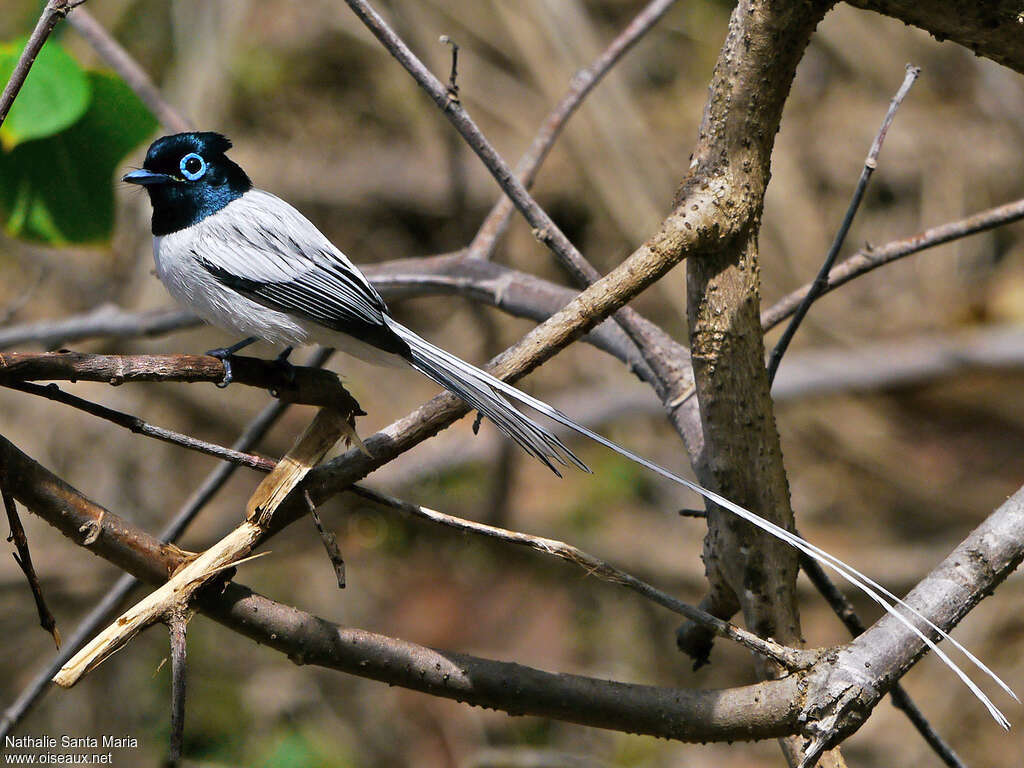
(246, 261)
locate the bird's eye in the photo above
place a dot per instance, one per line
(192, 166)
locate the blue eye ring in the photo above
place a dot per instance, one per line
(189, 169)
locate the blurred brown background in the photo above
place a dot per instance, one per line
(888, 480)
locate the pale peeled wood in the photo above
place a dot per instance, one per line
(309, 448)
(151, 608)
(317, 439)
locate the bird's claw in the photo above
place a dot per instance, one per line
(284, 365)
(224, 355)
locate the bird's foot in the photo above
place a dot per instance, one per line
(224, 354)
(287, 369)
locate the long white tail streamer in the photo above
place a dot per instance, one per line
(444, 364)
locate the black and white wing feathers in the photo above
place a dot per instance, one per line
(270, 253)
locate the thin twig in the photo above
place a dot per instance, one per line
(176, 625)
(640, 330)
(453, 86)
(330, 542)
(870, 163)
(111, 602)
(873, 257)
(790, 658)
(140, 427)
(54, 11)
(583, 82)
(118, 59)
(23, 557)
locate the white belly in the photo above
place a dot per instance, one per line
(194, 287)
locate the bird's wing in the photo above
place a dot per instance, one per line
(266, 250)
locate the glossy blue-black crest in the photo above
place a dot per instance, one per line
(199, 180)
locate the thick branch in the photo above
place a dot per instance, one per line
(865, 669)
(742, 456)
(753, 712)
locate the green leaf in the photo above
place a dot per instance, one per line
(55, 94)
(59, 189)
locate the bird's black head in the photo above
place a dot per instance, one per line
(188, 177)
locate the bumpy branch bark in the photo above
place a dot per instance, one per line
(742, 457)
(301, 385)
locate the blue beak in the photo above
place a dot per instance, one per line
(146, 178)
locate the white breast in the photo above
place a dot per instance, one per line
(178, 267)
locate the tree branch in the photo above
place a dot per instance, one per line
(23, 557)
(54, 11)
(106, 321)
(741, 456)
(871, 258)
(818, 286)
(844, 693)
(788, 657)
(176, 595)
(301, 385)
(752, 712)
(118, 59)
(583, 82)
(762, 711)
(140, 427)
(110, 603)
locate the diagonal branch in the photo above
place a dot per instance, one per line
(790, 658)
(53, 12)
(118, 59)
(23, 557)
(140, 427)
(844, 693)
(818, 286)
(176, 595)
(871, 258)
(650, 340)
(583, 82)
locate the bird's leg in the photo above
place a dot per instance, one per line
(224, 355)
(281, 361)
